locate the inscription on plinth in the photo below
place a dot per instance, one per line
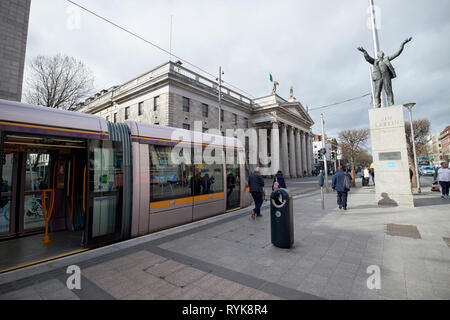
(390, 157)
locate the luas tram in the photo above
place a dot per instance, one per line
(64, 171)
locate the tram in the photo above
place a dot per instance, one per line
(108, 182)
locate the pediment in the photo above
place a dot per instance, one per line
(299, 111)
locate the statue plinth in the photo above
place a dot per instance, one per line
(390, 157)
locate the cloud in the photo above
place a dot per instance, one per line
(310, 45)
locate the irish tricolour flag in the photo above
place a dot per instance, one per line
(271, 80)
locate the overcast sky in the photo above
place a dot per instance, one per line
(310, 45)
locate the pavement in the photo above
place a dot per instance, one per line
(231, 256)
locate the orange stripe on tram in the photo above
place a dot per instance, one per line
(167, 203)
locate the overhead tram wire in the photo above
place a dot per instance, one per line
(154, 45)
(341, 102)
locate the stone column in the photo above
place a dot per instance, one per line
(284, 152)
(292, 154)
(298, 153)
(304, 161)
(311, 157)
(309, 154)
(275, 148)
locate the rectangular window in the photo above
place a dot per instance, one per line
(107, 118)
(234, 118)
(127, 113)
(115, 117)
(246, 122)
(208, 179)
(141, 108)
(186, 126)
(155, 103)
(168, 180)
(205, 110)
(104, 179)
(222, 115)
(185, 104)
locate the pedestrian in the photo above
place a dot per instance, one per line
(278, 181)
(372, 174)
(443, 176)
(366, 177)
(341, 184)
(411, 173)
(256, 185)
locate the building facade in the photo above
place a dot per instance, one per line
(14, 15)
(434, 149)
(172, 95)
(444, 139)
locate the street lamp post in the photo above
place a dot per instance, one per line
(409, 107)
(325, 155)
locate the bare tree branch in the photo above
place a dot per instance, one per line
(58, 82)
(353, 143)
(421, 131)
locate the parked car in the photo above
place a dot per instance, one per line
(426, 171)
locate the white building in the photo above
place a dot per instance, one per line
(172, 95)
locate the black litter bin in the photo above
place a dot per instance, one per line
(282, 218)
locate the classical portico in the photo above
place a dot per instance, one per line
(288, 127)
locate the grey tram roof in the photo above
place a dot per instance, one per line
(25, 113)
(178, 134)
(29, 114)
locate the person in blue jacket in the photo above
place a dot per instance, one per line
(338, 185)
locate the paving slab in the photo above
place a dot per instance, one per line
(231, 256)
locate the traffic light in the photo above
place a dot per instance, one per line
(319, 155)
(333, 155)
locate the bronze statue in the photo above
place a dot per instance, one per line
(383, 72)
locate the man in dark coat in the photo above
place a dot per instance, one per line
(280, 179)
(256, 185)
(338, 186)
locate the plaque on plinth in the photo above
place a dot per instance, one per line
(390, 157)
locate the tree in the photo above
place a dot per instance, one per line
(58, 82)
(352, 142)
(421, 132)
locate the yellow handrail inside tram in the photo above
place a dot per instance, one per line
(47, 216)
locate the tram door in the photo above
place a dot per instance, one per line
(24, 176)
(233, 177)
(105, 185)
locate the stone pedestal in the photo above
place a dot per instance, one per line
(390, 157)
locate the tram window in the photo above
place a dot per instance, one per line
(107, 165)
(168, 180)
(105, 184)
(37, 177)
(5, 192)
(208, 179)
